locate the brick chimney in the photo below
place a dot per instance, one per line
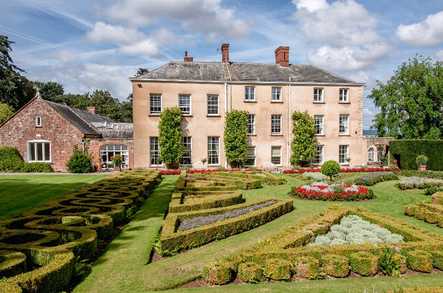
(225, 52)
(188, 58)
(91, 109)
(282, 56)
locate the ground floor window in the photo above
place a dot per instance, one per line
(154, 151)
(109, 151)
(343, 154)
(213, 150)
(187, 154)
(371, 155)
(276, 155)
(380, 153)
(250, 161)
(39, 151)
(318, 158)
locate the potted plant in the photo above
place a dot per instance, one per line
(422, 161)
(117, 160)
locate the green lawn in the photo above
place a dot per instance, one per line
(124, 268)
(21, 192)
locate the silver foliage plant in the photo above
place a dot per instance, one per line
(354, 230)
(316, 176)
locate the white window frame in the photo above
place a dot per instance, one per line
(345, 130)
(318, 98)
(190, 151)
(346, 160)
(251, 125)
(38, 121)
(318, 154)
(250, 157)
(343, 98)
(208, 105)
(185, 113)
(272, 124)
(280, 155)
(218, 151)
(247, 97)
(151, 151)
(121, 149)
(321, 124)
(274, 96)
(373, 151)
(150, 104)
(37, 141)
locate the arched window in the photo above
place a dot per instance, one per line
(380, 153)
(108, 151)
(371, 154)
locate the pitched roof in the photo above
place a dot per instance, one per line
(241, 72)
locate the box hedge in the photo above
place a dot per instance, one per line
(406, 152)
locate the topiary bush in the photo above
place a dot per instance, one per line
(236, 138)
(336, 266)
(277, 269)
(10, 159)
(421, 160)
(420, 261)
(37, 167)
(304, 142)
(250, 272)
(437, 260)
(219, 274)
(330, 168)
(388, 264)
(170, 137)
(364, 263)
(80, 162)
(308, 267)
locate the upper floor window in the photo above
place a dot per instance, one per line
(213, 105)
(319, 95)
(276, 94)
(155, 104)
(276, 124)
(39, 151)
(186, 158)
(251, 124)
(249, 93)
(319, 125)
(38, 121)
(184, 103)
(344, 124)
(344, 95)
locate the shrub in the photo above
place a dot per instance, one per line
(364, 263)
(277, 269)
(314, 176)
(37, 167)
(420, 261)
(421, 160)
(170, 137)
(437, 259)
(388, 264)
(117, 160)
(336, 266)
(433, 189)
(219, 274)
(304, 143)
(428, 174)
(330, 168)
(374, 178)
(250, 272)
(80, 161)
(406, 151)
(236, 138)
(419, 183)
(307, 267)
(10, 159)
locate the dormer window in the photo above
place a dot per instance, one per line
(38, 121)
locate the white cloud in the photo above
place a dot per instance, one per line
(428, 32)
(439, 55)
(147, 47)
(311, 5)
(102, 32)
(205, 16)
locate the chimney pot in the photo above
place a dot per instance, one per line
(91, 109)
(225, 52)
(282, 56)
(188, 58)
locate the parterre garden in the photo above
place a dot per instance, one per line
(240, 231)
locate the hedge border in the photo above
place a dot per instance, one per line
(409, 149)
(179, 204)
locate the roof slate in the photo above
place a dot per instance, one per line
(241, 72)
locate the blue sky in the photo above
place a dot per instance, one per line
(97, 44)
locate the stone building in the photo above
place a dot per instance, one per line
(270, 93)
(44, 131)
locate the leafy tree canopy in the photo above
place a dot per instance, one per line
(5, 112)
(411, 102)
(170, 137)
(304, 142)
(236, 138)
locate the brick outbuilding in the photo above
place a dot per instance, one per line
(44, 131)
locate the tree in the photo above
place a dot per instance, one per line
(236, 138)
(49, 90)
(80, 161)
(15, 89)
(411, 102)
(170, 137)
(5, 112)
(304, 143)
(330, 168)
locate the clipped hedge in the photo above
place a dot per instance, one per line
(180, 203)
(406, 151)
(374, 178)
(431, 213)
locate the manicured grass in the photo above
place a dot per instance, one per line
(123, 267)
(21, 192)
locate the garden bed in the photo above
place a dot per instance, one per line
(339, 191)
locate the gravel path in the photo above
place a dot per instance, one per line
(195, 222)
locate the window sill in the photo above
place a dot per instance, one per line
(187, 115)
(277, 134)
(214, 165)
(38, 126)
(154, 115)
(213, 115)
(250, 101)
(344, 164)
(344, 103)
(46, 162)
(276, 102)
(344, 134)
(321, 135)
(318, 103)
